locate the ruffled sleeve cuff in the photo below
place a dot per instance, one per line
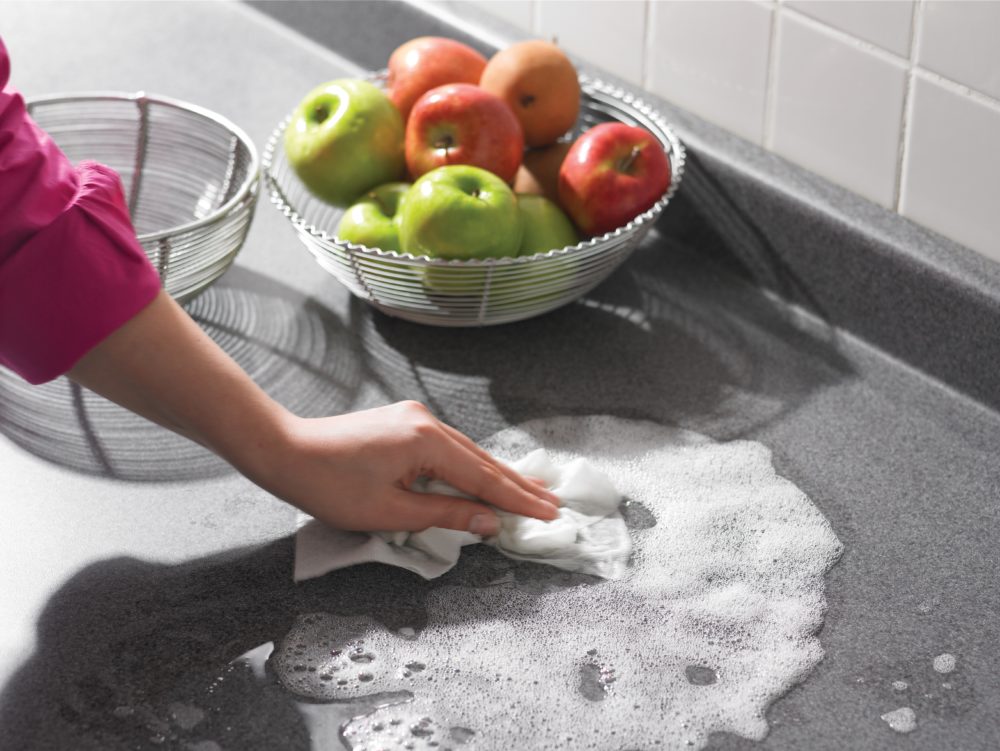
(74, 282)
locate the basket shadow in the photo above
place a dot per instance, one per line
(709, 215)
(669, 337)
(134, 654)
(297, 350)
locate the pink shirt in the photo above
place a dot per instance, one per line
(71, 268)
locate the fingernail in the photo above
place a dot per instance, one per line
(484, 525)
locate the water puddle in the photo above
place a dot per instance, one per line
(933, 689)
(902, 720)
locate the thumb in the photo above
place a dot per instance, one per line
(416, 511)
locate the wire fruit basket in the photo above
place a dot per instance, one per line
(477, 292)
(191, 177)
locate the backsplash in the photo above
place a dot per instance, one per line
(898, 101)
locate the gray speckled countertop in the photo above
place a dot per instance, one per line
(134, 567)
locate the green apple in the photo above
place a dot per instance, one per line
(460, 211)
(374, 220)
(344, 138)
(546, 227)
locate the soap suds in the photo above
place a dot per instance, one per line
(714, 619)
(902, 720)
(944, 663)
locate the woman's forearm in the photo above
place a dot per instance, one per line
(352, 471)
(161, 365)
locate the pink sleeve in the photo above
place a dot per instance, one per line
(71, 268)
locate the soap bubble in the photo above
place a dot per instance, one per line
(902, 720)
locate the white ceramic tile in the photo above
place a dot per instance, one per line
(607, 33)
(520, 13)
(886, 23)
(951, 173)
(837, 108)
(961, 40)
(711, 58)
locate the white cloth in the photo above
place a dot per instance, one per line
(589, 535)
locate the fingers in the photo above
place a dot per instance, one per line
(451, 456)
(417, 511)
(486, 480)
(532, 485)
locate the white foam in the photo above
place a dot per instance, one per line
(944, 663)
(902, 720)
(715, 618)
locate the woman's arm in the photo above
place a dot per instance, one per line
(350, 471)
(76, 287)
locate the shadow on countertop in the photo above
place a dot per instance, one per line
(669, 337)
(677, 335)
(138, 655)
(123, 639)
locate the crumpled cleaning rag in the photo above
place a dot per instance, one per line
(589, 536)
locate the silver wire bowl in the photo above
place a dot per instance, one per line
(479, 292)
(191, 176)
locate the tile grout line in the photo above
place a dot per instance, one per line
(959, 89)
(770, 87)
(846, 37)
(906, 116)
(887, 56)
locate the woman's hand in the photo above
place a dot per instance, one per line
(351, 471)
(354, 472)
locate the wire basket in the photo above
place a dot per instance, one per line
(478, 292)
(191, 177)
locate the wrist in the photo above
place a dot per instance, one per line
(258, 441)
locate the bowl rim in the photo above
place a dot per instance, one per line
(141, 99)
(676, 155)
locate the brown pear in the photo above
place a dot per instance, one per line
(539, 171)
(540, 84)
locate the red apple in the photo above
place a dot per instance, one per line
(612, 173)
(425, 63)
(463, 124)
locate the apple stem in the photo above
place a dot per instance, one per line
(627, 163)
(444, 142)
